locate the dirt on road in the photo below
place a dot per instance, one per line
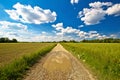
(59, 64)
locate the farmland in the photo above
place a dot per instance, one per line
(103, 59)
(15, 58)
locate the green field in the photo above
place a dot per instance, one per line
(102, 58)
(16, 58)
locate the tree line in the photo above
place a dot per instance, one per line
(7, 40)
(107, 40)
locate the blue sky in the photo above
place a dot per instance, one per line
(56, 20)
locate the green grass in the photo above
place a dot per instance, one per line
(102, 58)
(26, 54)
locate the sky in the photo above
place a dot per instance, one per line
(57, 20)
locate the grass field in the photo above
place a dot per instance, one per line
(16, 58)
(102, 58)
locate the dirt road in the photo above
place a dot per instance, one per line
(59, 64)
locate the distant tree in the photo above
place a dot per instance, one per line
(13, 40)
(63, 41)
(107, 40)
(72, 41)
(7, 40)
(84, 40)
(2, 39)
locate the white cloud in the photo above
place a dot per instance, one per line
(61, 30)
(94, 35)
(22, 33)
(11, 26)
(27, 14)
(97, 12)
(114, 10)
(69, 31)
(92, 32)
(58, 26)
(82, 34)
(43, 32)
(74, 1)
(14, 30)
(46, 38)
(92, 16)
(80, 26)
(100, 4)
(113, 36)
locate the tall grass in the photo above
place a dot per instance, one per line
(15, 69)
(103, 59)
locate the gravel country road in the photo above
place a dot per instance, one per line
(59, 64)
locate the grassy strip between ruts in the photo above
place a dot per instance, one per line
(15, 70)
(103, 59)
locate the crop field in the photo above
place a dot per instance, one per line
(9, 52)
(15, 58)
(102, 58)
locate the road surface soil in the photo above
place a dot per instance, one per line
(59, 64)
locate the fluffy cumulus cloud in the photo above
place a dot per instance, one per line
(100, 4)
(11, 26)
(92, 16)
(23, 33)
(13, 30)
(58, 26)
(61, 30)
(74, 1)
(28, 14)
(97, 12)
(114, 10)
(20, 32)
(69, 31)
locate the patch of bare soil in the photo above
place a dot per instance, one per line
(59, 64)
